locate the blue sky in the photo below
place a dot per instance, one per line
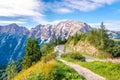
(30, 13)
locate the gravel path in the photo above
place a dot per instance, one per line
(60, 50)
(89, 75)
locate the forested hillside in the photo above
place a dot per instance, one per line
(95, 42)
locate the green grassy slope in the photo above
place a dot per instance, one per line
(52, 70)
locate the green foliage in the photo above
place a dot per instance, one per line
(75, 56)
(115, 51)
(60, 72)
(66, 73)
(102, 26)
(76, 38)
(48, 57)
(33, 53)
(48, 68)
(47, 48)
(3, 74)
(51, 70)
(48, 52)
(99, 39)
(70, 38)
(11, 70)
(53, 75)
(110, 71)
(60, 41)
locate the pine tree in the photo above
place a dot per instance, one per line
(33, 53)
(102, 26)
(47, 48)
(104, 37)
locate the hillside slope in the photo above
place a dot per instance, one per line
(87, 49)
(95, 43)
(52, 70)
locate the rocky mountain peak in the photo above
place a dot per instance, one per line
(14, 29)
(13, 25)
(70, 27)
(41, 31)
(63, 29)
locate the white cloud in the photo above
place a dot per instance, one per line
(104, 1)
(63, 10)
(9, 22)
(110, 25)
(87, 5)
(34, 9)
(81, 5)
(21, 8)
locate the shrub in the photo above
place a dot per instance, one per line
(48, 57)
(75, 56)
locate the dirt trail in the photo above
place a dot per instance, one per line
(89, 75)
(60, 50)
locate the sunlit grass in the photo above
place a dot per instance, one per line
(36, 69)
(50, 70)
(110, 71)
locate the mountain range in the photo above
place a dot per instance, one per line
(114, 34)
(13, 38)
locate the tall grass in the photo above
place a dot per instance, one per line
(110, 71)
(67, 73)
(50, 70)
(34, 71)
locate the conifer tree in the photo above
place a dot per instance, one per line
(104, 37)
(33, 53)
